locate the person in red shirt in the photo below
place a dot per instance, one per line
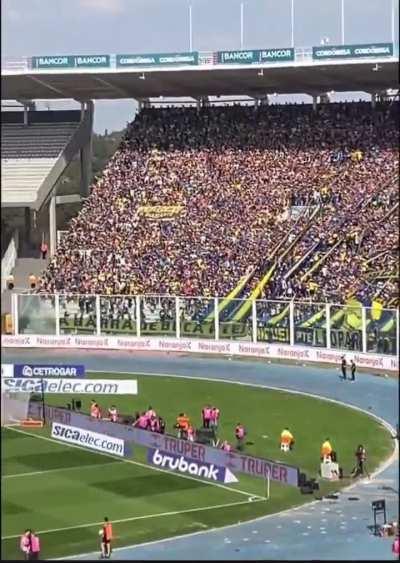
(44, 249)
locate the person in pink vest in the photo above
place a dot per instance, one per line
(154, 424)
(207, 416)
(396, 546)
(191, 433)
(151, 412)
(25, 544)
(35, 547)
(113, 414)
(142, 422)
(240, 434)
(226, 446)
(215, 413)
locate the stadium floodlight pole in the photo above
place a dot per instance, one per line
(241, 25)
(190, 29)
(292, 22)
(342, 20)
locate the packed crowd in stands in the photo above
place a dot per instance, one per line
(232, 178)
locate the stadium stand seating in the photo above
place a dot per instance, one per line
(193, 202)
(30, 151)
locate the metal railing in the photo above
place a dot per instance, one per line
(317, 325)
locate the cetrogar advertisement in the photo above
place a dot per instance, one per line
(29, 370)
(89, 439)
(69, 386)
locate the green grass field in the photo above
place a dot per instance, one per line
(64, 492)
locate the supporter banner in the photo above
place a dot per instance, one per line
(158, 59)
(167, 327)
(160, 211)
(71, 61)
(89, 439)
(24, 370)
(231, 348)
(176, 462)
(69, 386)
(254, 56)
(353, 51)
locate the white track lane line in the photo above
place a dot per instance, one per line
(133, 518)
(47, 471)
(139, 464)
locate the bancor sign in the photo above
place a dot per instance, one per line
(183, 464)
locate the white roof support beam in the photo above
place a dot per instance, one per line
(121, 91)
(42, 82)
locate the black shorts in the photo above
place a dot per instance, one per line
(106, 541)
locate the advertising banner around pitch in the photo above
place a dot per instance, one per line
(7, 370)
(176, 462)
(169, 445)
(89, 439)
(71, 61)
(70, 386)
(158, 59)
(253, 56)
(30, 370)
(353, 51)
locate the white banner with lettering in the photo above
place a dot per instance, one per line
(272, 351)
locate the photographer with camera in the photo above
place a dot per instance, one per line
(361, 457)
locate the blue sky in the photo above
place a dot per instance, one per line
(55, 27)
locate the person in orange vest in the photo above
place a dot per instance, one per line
(326, 449)
(287, 440)
(95, 411)
(32, 281)
(182, 424)
(44, 249)
(106, 534)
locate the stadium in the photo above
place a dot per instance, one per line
(200, 310)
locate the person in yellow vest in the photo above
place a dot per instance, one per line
(326, 449)
(287, 440)
(10, 282)
(32, 281)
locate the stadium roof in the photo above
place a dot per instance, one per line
(310, 77)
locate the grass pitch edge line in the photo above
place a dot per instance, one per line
(139, 464)
(143, 517)
(46, 471)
